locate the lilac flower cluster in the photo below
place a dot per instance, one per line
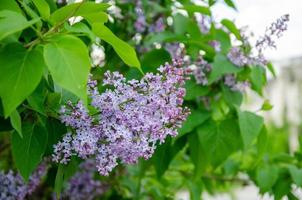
(82, 185)
(13, 187)
(239, 58)
(275, 30)
(130, 120)
(140, 23)
(231, 82)
(201, 71)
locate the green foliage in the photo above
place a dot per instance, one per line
(266, 177)
(220, 140)
(12, 22)
(43, 8)
(28, 151)
(222, 66)
(71, 67)
(76, 9)
(123, 49)
(15, 120)
(296, 175)
(250, 126)
(21, 73)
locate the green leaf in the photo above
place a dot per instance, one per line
(123, 49)
(195, 188)
(209, 50)
(64, 173)
(282, 186)
(15, 121)
(77, 9)
(224, 39)
(28, 151)
(221, 66)
(233, 98)
(266, 105)
(262, 142)
(250, 126)
(220, 140)
(161, 158)
(196, 8)
(231, 27)
(180, 24)
(59, 181)
(271, 69)
(193, 90)
(55, 131)
(153, 59)
(12, 22)
(71, 65)
(230, 3)
(258, 78)
(20, 73)
(296, 174)
(99, 17)
(266, 177)
(80, 27)
(195, 119)
(43, 8)
(37, 99)
(197, 154)
(165, 153)
(10, 5)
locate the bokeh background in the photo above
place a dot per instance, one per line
(285, 91)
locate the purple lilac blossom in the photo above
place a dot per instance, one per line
(140, 23)
(237, 57)
(130, 120)
(204, 23)
(231, 82)
(201, 71)
(216, 45)
(176, 50)
(275, 30)
(13, 187)
(158, 26)
(82, 185)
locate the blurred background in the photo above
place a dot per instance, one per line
(285, 91)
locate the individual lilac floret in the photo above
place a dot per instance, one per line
(130, 118)
(82, 185)
(274, 31)
(140, 23)
(13, 187)
(158, 26)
